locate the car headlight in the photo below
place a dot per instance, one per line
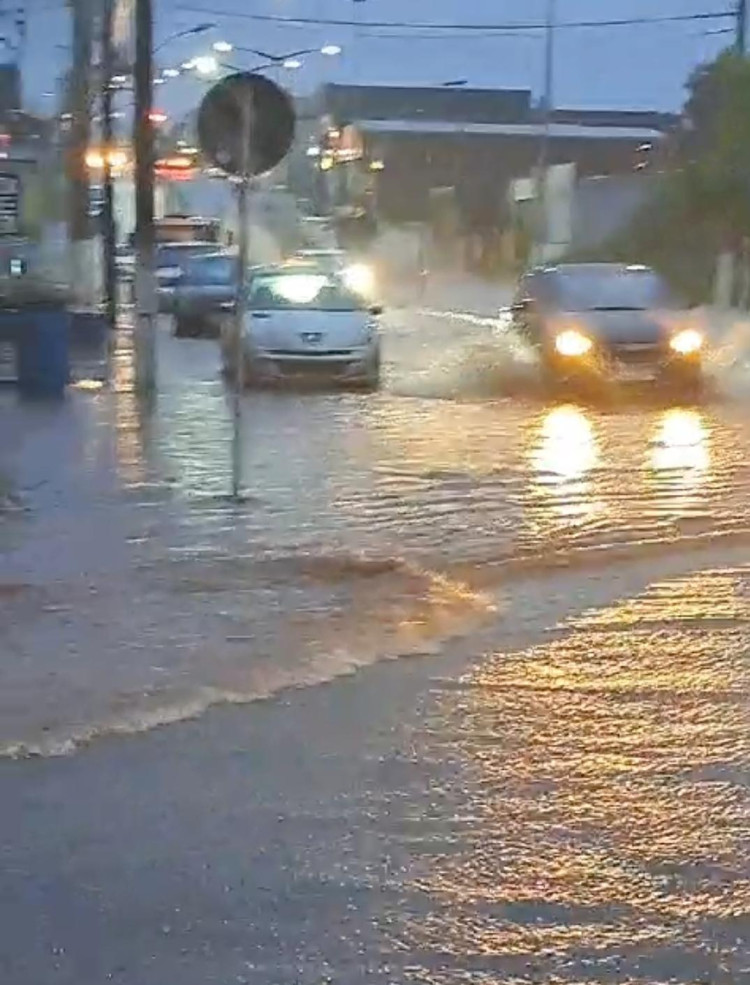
(571, 342)
(360, 278)
(686, 342)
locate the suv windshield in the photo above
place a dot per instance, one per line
(175, 256)
(610, 289)
(302, 291)
(218, 270)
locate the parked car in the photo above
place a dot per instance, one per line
(329, 259)
(205, 295)
(171, 259)
(609, 322)
(305, 324)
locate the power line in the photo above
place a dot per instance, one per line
(412, 36)
(426, 26)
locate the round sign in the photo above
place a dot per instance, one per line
(246, 124)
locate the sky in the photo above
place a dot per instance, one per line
(636, 66)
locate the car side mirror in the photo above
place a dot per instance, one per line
(376, 309)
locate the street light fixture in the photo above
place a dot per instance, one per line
(292, 63)
(188, 32)
(206, 65)
(329, 50)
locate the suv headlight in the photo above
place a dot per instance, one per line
(686, 342)
(360, 278)
(572, 343)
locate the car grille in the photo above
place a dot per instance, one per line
(635, 353)
(316, 354)
(309, 367)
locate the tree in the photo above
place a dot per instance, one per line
(716, 146)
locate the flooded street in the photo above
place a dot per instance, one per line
(557, 792)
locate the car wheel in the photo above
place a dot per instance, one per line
(552, 383)
(185, 328)
(250, 375)
(372, 377)
(687, 384)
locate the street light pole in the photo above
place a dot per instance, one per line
(109, 237)
(544, 144)
(143, 143)
(79, 135)
(741, 36)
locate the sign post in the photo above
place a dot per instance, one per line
(243, 244)
(245, 127)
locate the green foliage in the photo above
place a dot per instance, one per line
(703, 206)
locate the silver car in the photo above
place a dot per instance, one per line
(305, 324)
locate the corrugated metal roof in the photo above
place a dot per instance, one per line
(560, 131)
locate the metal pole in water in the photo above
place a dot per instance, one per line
(143, 141)
(109, 240)
(243, 193)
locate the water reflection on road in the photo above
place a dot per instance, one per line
(595, 826)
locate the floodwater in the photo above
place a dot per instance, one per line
(568, 805)
(375, 526)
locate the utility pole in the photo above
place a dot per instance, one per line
(109, 229)
(143, 142)
(741, 42)
(79, 135)
(542, 164)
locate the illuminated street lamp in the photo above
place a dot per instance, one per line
(292, 63)
(205, 65)
(97, 157)
(223, 47)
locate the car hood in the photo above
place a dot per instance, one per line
(308, 331)
(208, 292)
(623, 327)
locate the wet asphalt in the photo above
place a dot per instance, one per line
(547, 780)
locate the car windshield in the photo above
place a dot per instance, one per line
(212, 270)
(302, 291)
(611, 289)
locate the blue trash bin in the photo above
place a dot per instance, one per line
(43, 351)
(89, 341)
